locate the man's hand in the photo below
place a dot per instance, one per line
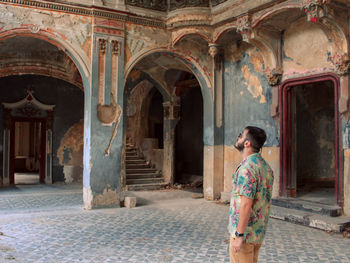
(236, 244)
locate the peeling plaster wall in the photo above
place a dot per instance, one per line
(306, 48)
(347, 182)
(69, 110)
(137, 115)
(141, 38)
(70, 153)
(247, 96)
(77, 29)
(247, 101)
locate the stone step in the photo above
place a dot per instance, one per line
(141, 171)
(130, 149)
(138, 166)
(131, 154)
(310, 219)
(136, 161)
(299, 204)
(140, 176)
(143, 181)
(156, 186)
(132, 158)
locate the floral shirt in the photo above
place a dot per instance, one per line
(253, 179)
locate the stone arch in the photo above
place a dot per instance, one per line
(78, 58)
(208, 105)
(177, 36)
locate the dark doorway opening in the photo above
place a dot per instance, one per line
(313, 142)
(189, 138)
(310, 157)
(155, 117)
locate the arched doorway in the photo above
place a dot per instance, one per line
(36, 138)
(189, 134)
(168, 74)
(310, 156)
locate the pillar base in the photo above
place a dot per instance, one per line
(109, 198)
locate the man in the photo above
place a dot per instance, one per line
(250, 198)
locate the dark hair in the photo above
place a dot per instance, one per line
(256, 136)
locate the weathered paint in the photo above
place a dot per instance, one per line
(306, 48)
(247, 97)
(233, 158)
(347, 182)
(70, 153)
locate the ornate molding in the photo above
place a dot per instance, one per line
(115, 47)
(315, 9)
(244, 27)
(213, 50)
(177, 4)
(102, 43)
(87, 11)
(274, 76)
(341, 61)
(159, 5)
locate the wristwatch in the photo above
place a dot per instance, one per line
(237, 234)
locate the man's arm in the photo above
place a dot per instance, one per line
(244, 213)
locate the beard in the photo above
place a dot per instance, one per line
(240, 146)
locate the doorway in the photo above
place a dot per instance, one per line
(189, 139)
(310, 141)
(27, 163)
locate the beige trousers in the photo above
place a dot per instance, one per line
(248, 254)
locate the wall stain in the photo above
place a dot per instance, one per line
(254, 85)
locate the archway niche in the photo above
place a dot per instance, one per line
(47, 134)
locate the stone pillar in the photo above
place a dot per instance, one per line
(171, 117)
(103, 117)
(215, 182)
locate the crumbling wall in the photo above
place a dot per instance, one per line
(306, 48)
(70, 153)
(247, 101)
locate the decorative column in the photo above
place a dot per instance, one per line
(103, 116)
(215, 182)
(171, 117)
(341, 62)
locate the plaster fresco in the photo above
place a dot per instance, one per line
(76, 29)
(70, 152)
(140, 37)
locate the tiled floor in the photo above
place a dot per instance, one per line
(47, 224)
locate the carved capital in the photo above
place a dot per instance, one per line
(274, 76)
(341, 61)
(213, 49)
(172, 110)
(315, 9)
(244, 27)
(115, 47)
(102, 43)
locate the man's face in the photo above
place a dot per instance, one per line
(241, 139)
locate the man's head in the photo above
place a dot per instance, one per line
(252, 137)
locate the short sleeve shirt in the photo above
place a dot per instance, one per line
(252, 179)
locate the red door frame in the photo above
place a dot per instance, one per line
(42, 146)
(286, 132)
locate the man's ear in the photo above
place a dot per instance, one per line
(247, 143)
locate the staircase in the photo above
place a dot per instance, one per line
(139, 173)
